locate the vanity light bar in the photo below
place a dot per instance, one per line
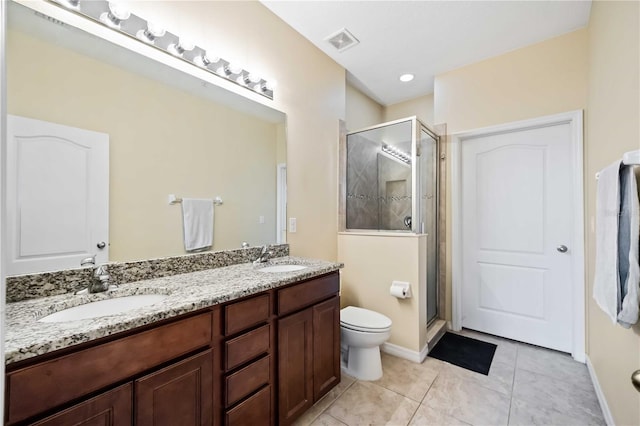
(116, 17)
(396, 153)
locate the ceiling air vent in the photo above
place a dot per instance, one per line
(342, 40)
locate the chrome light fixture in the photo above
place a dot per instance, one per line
(114, 15)
(396, 153)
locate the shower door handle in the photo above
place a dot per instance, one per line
(562, 248)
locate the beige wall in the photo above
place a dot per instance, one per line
(421, 106)
(541, 79)
(372, 263)
(544, 78)
(311, 91)
(361, 110)
(162, 140)
(613, 127)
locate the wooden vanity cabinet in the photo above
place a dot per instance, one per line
(143, 359)
(308, 345)
(263, 359)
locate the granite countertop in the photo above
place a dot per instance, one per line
(26, 337)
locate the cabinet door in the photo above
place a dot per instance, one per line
(180, 394)
(295, 365)
(112, 408)
(326, 346)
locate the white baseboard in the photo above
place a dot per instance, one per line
(601, 399)
(402, 352)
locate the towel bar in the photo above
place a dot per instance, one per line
(175, 200)
(631, 158)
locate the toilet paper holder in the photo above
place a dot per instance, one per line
(400, 289)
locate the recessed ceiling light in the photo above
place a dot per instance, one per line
(406, 77)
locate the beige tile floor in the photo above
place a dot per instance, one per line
(526, 385)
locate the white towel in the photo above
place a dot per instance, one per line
(197, 217)
(606, 283)
(628, 241)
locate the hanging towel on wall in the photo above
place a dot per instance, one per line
(606, 283)
(197, 218)
(628, 241)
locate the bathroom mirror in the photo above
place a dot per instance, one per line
(169, 133)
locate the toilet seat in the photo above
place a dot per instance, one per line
(359, 319)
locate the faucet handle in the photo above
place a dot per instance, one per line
(88, 261)
(102, 270)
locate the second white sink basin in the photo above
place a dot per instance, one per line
(282, 268)
(102, 308)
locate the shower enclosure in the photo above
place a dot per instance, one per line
(392, 186)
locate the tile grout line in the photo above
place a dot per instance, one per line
(513, 384)
(325, 411)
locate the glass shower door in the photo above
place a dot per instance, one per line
(428, 197)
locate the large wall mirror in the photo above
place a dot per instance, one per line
(168, 133)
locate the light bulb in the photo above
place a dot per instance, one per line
(233, 68)
(155, 29)
(119, 11)
(186, 44)
(183, 45)
(152, 32)
(270, 85)
(116, 14)
(204, 60)
(254, 78)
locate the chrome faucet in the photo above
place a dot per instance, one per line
(264, 256)
(101, 279)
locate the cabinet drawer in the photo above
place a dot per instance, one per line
(91, 369)
(242, 315)
(301, 295)
(247, 346)
(245, 381)
(254, 411)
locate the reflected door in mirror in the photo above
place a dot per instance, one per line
(57, 195)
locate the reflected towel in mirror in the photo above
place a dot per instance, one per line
(197, 218)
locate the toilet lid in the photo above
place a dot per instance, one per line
(359, 318)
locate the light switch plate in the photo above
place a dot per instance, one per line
(293, 224)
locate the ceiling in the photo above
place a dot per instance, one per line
(425, 38)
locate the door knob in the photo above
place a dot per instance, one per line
(635, 380)
(562, 249)
(101, 245)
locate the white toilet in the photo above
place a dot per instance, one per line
(362, 332)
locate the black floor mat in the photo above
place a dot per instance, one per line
(464, 352)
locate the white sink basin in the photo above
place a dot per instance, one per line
(282, 268)
(102, 308)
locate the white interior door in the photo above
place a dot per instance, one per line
(517, 215)
(281, 204)
(57, 196)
